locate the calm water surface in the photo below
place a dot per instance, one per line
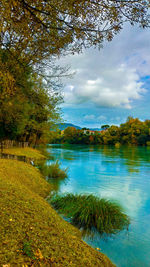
(121, 174)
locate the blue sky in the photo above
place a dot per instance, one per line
(109, 84)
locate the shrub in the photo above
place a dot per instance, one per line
(53, 170)
(91, 213)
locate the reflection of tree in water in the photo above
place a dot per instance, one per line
(67, 156)
(43, 166)
(56, 183)
(133, 155)
(64, 153)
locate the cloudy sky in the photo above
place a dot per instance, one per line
(111, 84)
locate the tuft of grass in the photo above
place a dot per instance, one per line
(91, 213)
(53, 170)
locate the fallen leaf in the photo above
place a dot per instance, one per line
(38, 254)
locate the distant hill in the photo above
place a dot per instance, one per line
(63, 126)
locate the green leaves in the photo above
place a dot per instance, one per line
(38, 29)
(27, 110)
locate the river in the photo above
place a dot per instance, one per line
(120, 174)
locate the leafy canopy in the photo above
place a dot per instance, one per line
(27, 108)
(32, 32)
(38, 29)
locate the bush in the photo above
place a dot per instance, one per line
(91, 213)
(53, 170)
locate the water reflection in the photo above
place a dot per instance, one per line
(121, 174)
(57, 183)
(43, 166)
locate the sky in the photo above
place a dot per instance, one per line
(109, 84)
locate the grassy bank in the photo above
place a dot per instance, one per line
(32, 233)
(28, 152)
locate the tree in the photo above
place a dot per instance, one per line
(12, 101)
(69, 134)
(105, 127)
(27, 108)
(38, 29)
(133, 131)
(32, 32)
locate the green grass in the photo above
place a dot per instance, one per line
(31, 232)
(91, 213)
(27, 249)
(53, 170)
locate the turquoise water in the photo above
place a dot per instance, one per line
(121, 174)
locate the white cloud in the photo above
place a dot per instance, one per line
(93, 118)
(131, 200)
(89, 117)
(112, 88)
(111, 77)
(101, 118)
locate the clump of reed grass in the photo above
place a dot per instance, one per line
(53, 170)
(91, 213)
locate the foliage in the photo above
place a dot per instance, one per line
(89, 212)
(104, 127)
(53, 170)
(69, 134)
(133, 131)
(55, 136)
(34, 32)
(73, 136)
(28, 109)
(148, 143)
(37, 29)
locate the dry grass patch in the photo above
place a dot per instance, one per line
(23, 174)
(28, 152)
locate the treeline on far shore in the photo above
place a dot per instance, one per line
(133, 131)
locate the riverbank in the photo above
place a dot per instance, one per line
(32, 233)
